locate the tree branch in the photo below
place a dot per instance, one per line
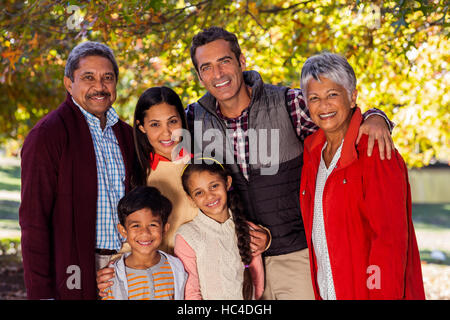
(276, 9)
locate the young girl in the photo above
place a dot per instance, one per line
(215, 246)
(159, 113)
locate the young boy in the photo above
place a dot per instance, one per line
(146, 273)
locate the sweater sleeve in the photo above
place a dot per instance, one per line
(187, 255)
(385, 208)
(39, 174)
(378, 112)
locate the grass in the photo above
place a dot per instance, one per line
(431, 216)
(9, 210)
(10, 178)
(425, 255)
(9, 224)
(9, 205)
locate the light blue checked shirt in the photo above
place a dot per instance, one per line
(110, 178)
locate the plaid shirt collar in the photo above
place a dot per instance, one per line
(242, 118)
(111, 116)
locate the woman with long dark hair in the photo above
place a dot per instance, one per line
(159, 114)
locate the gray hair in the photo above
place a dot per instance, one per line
(332, 66)
(86, 49)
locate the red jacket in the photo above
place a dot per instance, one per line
(58, 212)
(367, 215)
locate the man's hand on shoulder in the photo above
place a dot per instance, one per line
(377, 128)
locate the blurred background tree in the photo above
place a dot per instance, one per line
(399, 50)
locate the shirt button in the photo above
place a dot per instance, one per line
(345, 181)
(303, 192)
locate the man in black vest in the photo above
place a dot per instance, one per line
(243, 108)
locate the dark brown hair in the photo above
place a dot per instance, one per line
(211, 34)
(143, 148)
(144, 198)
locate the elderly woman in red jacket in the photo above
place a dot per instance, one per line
(356, 209)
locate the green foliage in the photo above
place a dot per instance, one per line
(399, 50)
(10, 246)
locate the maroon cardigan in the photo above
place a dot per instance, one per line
(57, 213)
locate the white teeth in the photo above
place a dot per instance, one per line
(144, 242)
(222, 84)
(213, 203)
(166, 142)
(327, 115)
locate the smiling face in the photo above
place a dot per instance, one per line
(159, 124)
(94, 85)
(144, 232)
(219, 71)
(209, 192)
(329, 105)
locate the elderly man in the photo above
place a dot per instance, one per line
(239, 102)
(75, 167)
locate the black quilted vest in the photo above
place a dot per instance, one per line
(271, 194)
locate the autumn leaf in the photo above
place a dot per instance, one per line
(13, 56)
